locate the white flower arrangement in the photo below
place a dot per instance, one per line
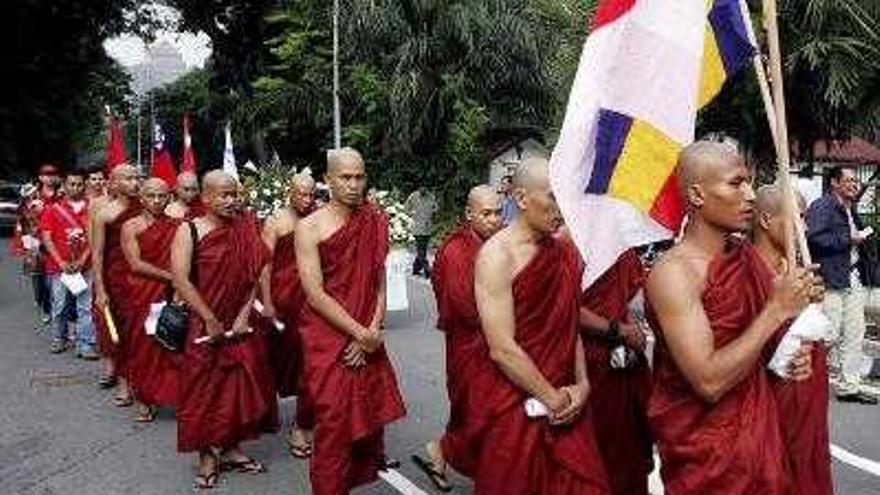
(400, 224)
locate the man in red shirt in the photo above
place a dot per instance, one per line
(63, 230)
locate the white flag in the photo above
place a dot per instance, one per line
(229, 156)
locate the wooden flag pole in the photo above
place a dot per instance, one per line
(795, 239)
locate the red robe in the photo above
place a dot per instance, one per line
(195, 209)
(152, 371)
(351, 406)
(732, 447)
(468, 367)
(286, 347)
(803, 415)
(517, 455)
(115, 274)
(619, 397)
(226, 392)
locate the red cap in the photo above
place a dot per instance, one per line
(48, 169)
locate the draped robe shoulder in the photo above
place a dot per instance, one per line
(523, 456)
(731, 447)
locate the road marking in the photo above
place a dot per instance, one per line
(400, 482)
(854, 460)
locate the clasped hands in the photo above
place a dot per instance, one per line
(566, 403)
(366, 341)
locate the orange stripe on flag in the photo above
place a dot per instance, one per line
(645, 164)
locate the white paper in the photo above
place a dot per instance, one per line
(153, 318)
(866, 232)
(535, 408)
(74, 282)
(811, 326)
(30, 242)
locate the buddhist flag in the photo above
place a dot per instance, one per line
(646, 69)
(229, 155)
(188, 162)
(116, 154)
(163, 166)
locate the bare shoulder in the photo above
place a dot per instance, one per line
(175, 210)
(133, 226)
(282, 222)
(676, 276)
(495, 261)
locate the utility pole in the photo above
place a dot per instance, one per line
(337, 118)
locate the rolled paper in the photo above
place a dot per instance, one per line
(111, 325)
(227, 334)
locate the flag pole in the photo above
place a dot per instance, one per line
(337, 118)
(795, 239)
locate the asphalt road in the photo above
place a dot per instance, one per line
(59, 434)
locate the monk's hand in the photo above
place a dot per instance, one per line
(791, 292)
(269, 310)
(371, 338)
(633, 336)
(354, 355)
(214, 329)
(577, 395)
(801, 366)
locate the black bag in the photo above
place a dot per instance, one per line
(174, 317)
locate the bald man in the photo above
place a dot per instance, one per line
(146, 243)
(803, 405)
(468, 368)
(110, 272)
(340, 255)
(224, 397)
(712, 409)
(187, 204)
(283, 298)
(527, 284)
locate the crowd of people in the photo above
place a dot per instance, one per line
(551, 388)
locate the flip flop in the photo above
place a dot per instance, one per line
(300, 451)
(438, 478)
(147, 416)
(206, 481)
(123, 401)
(246, 465)
(107, 382)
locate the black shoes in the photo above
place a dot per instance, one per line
(857, 398)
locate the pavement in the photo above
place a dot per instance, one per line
(60, 434)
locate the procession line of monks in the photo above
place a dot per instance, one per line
(549, 388)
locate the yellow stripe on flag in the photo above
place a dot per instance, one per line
(645, 164)
(713, 72)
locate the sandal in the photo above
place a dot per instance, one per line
(300, 451)
(107, 382)
(147, 415)
(244, 465)
(208, 481)
(120, 401)
(437, 477)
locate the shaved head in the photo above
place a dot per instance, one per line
(302, 180)
(154, 184)
(343, 156)
(701, 159)
(121, 171)
(216, 179)
(188, 178)
(480, 194)
(124, 180)
(483, 211)
(769, 199)
(532, 173)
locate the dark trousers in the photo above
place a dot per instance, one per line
(420, 265)
(42, 295)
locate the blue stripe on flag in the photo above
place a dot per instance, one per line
(611, 132)
(731, 35)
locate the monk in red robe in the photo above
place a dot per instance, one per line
(803, 405)
(110, 272)
(187, 203)
(620, 391)
(284, 299)
(340, 255)
(146, 243)
(467, 356)
(225, 391)
(527, 287)
(711, 410)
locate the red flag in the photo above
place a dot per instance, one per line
(116, 154)
(163, 166)
(188, 163)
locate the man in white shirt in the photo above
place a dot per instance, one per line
(421, 206)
